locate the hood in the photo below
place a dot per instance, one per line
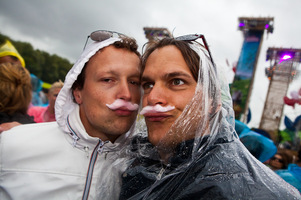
(64, 103)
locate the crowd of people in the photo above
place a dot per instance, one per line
(129, 126)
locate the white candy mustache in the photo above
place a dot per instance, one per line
(155, 109)
(119, 103)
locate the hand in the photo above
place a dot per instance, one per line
(8, 125)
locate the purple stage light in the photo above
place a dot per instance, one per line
(241, 24)
(286, 57)
(267, 26)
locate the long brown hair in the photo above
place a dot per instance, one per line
(15, 89)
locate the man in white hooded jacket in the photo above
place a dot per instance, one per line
(95, 111)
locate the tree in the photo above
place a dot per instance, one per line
(48, 68)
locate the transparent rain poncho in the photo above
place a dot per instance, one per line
(212, 165)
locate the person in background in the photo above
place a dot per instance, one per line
(15, 94)
(292, 175)
(190, 149)
(8, 53)
(280, 160)
(47, 114)
(95, 111)
(259, 145)
(36, 84)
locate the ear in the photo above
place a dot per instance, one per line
(77, 96)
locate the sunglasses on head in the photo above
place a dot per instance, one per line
(194, 37)
(102, 35)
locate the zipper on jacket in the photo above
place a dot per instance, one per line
(97, 149)
(72, 133)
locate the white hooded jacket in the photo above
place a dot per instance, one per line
(58, 160)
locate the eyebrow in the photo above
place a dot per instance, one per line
(167, 76)
(176, 74)
(118, 73)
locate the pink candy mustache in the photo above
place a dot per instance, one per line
(119, 103)
(155, 109)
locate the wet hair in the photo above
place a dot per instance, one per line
(127, 43)
(15, 89)
(191, 58)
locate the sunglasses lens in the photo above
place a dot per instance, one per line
(188, 37)
(277, 159)
(100, 35)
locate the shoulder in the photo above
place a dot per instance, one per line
(28, 133)
(26, 128)
(31, 140)
(16, 117)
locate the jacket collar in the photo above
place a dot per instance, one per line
(77, 130)
(80, 138)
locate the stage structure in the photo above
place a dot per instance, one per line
(283, 68)
(153, 34)
(156, 33)
(241, 88)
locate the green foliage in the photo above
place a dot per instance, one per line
(243, 87)
(286, 135)
(48, 68)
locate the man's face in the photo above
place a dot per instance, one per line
(167, 81)
(110, 74)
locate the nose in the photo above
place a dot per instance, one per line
(124, 91)
(156, 96)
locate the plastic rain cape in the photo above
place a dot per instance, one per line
(209, 163)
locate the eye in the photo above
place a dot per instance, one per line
(177, 82)
(135, 83)
(147, 85)
(107, 80)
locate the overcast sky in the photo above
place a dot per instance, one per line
(61, 27)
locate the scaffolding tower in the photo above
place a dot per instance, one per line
(152, 33)
(283, 68)
(253, 29)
